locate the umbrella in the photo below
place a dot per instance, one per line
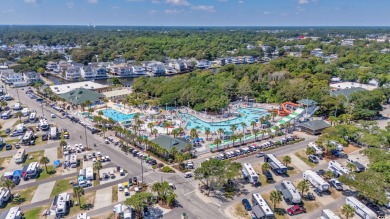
(57, 163)
(17, 173)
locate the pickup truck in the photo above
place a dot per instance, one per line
(296, 209)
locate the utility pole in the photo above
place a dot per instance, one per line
(17, 92)
(86, 138)
(43, 115)
(142, 172)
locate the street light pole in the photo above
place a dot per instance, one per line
(142, 172)
(43, 115)
(17, 92)
(86, 138)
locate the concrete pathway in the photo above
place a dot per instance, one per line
(103, 197)
(9, 123)
(51, 153)
(69, 171)
(302, 166)
(43, 192)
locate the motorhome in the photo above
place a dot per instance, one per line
(318, 150)
(250, 174)
(328, 214)
(33, 117)
(360, 209)
(6, 115)
(20, 156)
(337, 168)
(5, 196)
(73, 161)
(289, 192)
(20, 128)
(275, 164)
(61, 204)
(33, 170)
(83, 216)
(43, 124)
(28, 137)
(316, 180)
(82, 172)
(260, 208)
(89, 173)
(12, 213)
(25, 111)
(338, 146)
(54, 132)
(17, 106)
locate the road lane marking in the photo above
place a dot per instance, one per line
(190, 192)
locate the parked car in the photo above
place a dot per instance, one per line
(7, 130)
(246, 204)
(296, 209)
(336, 184)
(310, 196)
(318, 192)
(45, 137)
(8, 147)
(321, 172)
(261, 154)
(376, 209)
(313, 158)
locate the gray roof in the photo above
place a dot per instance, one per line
(307, 102)
(347, 92)
(315, 125)
(81, 95)
(257, 211)
(169, 142)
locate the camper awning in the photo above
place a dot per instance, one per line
(257, 211)
(286, 194)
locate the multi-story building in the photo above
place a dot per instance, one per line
(87, 73)
(8, 76)
(32, 77)
(72, 73)
(99, 72)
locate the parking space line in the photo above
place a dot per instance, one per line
(190, 192)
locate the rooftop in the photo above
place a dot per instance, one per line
(81, 95)
(346, 85)
(169, 142)
(63, 88)
(315, 125)
(307, 102)
(116, 93)
(347, 92)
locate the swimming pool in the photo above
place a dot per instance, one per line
(116, 115)
(247, 115)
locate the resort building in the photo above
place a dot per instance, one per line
(80, 95)
(100, 73)
(167, 142)
(8, 76)
(314, 127)
(64, 88)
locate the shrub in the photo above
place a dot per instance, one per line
(159, 165)
(167, 169)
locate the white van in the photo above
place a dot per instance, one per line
(316, 148)
(120, 187)
(187, 174)
(127, 192)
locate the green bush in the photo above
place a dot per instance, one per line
(167, 169)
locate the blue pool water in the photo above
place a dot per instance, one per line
(116, 115)
(247, 115)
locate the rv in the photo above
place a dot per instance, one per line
(61, 204)
(339, 147)
(73, 161)
(17, 106)
(275, 164)
(337, 168)
(289, 192)
(82, 173)
(33, 117)
(260, 208)
(317, 149)
(28, 137)
(316, 180)
(360, 209)
(33, 170)
(20, 156)
(5, 196)
(25, 111)
(89, 173)
(53, 133)
(43, 124)
(83, 216)
(20, 128)
(6, 114)
(12, 213)
(328, 214)
(250, 174)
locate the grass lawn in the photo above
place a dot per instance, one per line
(311, 205)
(62, 186)
(114, 194)
(302, 155)
(240, 212)
(87, 202)
(59, 152)
(36, 156)
(25, 197)
(44, 174)
(34, 213)
(291, 170)
(106, 216)
(12, 141)
(2, 161)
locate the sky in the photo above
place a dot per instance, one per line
(196, 12)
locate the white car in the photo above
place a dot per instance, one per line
(53, 115)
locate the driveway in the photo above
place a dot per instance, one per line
(51, 153)
(103, 197)
(43, 192)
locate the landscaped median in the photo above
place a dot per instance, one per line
(61, 186)
(304, 157)
(35, 213)
(21, 197)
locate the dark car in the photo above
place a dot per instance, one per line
(135, 180)
(376, 209)
(85, 158)
(45, 137)
(246, 204)
(310, 196)
(269, 177)
(8, 147)
(318, 192)
(296, 209)
(321, 172)
(7, 130)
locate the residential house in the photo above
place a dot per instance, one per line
(51, 66)
(32, 77)
(347, 42)
(8, 76)
(72, 73)
(203, 64)
(374, 82)
(155, 68)
(87, 73)
(138, 70)
(384, 51)
(100, 73)
(228, 60)
(178, 65)
(249, 46)
(61, 67)
(249, 59)
(122, 70)
(317, 52)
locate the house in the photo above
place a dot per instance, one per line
(156, 68)
(87, 73)
(384, 51)
(317, 52)
(72, 73)
(100, 72)
(61, 66)
(122, 70)
(178, 65)
(51, 66)
(249, 59)
(347, 42)
(8, 76)
(81, 95)
(203, 64)
(374, 82)
(138, 70)
(32, 77)
(249, 46)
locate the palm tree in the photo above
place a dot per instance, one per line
(265, 167)
(328, 174)
(77, 193)
(193, 134)
(181, 130)
(221, 132)
(256, 133)
(274, 114)
(303, 186)
(263, 131)
(166, 125)
(282, 127)
(253, 124)
(261, 120)
(233, 128)
(8, 183)
(154, 132)
(276, 128)
(217, 142)
(175, 133)
(19, 115)
(163, 190)
(233, 138)
(207, 132)
(288, 126)
(287, 160)
(351, 166)
(243, 125)
(269, 133)
(276, 197)
(348, 211)
(240, 136)
(97, 166)
(151, 125)
(44, 161)
(3, 104)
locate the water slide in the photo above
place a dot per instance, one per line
(298, 112)
(285, 111)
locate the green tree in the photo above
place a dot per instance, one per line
(276, 197)
(175, 133)
(253, 124)
(221, 132)
(207, 133)
(97, 166)
(233, 128)
(287, 160)
(8, 183)
(348, 211)
(351, 166)
(233, 138)
(78, 192)
(303, 186)
(265, 167)
(243, 125)
(240, 136)
(217, 142)
(139, 201)
(44, 161)
(19, 115)
(163, 190)
(166, 125)
(310, 150)
(154, 132)
(193, 134)
(328, 174)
